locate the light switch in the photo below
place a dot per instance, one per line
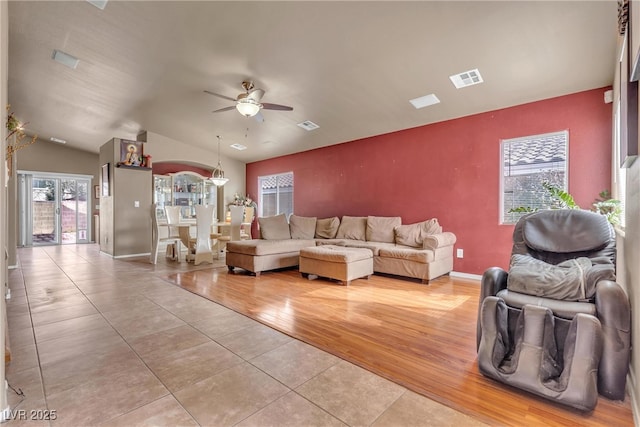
(136, 204)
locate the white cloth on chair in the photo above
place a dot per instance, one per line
(172, 237)
(237, 213)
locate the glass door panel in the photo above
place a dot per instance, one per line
(82, 211)
(54, 210)
(45, 211)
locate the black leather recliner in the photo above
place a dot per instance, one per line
(557, 320)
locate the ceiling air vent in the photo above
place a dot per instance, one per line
(424, 101)
(100, 4)
(239, 147)
(65, 59)
(468, 78)
(308, 125)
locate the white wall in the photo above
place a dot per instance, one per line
(4, 79)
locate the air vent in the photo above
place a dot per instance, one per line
(238, 147)
(100, 4)
(468, 78)
(65, 59)
(308, 125)
(424, 101)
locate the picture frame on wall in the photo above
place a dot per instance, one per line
(104, 178)
(131, 153)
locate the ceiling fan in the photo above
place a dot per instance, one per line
(248, 103)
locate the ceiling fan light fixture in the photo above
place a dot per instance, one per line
(217, 177)
(248, 107)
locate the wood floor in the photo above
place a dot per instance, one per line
(419, 336)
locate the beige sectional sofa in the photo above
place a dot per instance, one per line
(421, 250)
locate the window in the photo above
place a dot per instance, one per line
(276, 194)
(527, 163)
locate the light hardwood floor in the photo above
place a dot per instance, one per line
(419, 336)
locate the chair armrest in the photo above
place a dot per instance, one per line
(440, 240)
(614, 312)
(494, 280)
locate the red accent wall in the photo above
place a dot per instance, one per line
(164, 168)
(448, 170)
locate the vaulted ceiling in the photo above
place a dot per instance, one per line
(350, 67)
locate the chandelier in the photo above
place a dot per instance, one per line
(218, 174)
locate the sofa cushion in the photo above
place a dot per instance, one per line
(302, 227)
(268, 247)
(274, 227)
(373, 246)
(327, 228)
(333, 253)
(381, 229)
(423, 256)
(352, 227)
(414, 234)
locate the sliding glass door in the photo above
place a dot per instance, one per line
(53, 209)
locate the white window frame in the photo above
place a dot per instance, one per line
(619, 187)
(260, 193)
(504, 142)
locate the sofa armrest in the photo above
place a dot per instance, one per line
(440, 240)
(614, 312)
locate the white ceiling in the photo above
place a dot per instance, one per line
(351, 67)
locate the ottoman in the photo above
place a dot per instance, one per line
(336, 262)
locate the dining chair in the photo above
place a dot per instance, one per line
(237, 213)
(215, 231)
(247, 218)
(199, 247)
(156, 239)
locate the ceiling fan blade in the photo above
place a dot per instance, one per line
(259, 117)
(256, 94)
(233, 107)
(268, 106)
(220, 96)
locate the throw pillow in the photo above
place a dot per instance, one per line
(381, 229)
(274, 227)
(409, 235)
(327, 228)
(431, 226)
(352, 227)
(302, 227)
(414, 234)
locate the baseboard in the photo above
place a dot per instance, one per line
(631, 388)
(132, 255)
(6, 414)
(465, 275)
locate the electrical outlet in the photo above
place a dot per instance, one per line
(460, 253)
(136, 204)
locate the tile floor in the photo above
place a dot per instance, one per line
(98, 341)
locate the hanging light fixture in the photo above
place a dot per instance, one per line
(218, 174)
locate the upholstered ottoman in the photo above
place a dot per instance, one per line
(336, 262)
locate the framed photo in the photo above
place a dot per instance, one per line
(104, 178)
(131, 153)
(96, 191)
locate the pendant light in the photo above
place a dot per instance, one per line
(218, 174)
